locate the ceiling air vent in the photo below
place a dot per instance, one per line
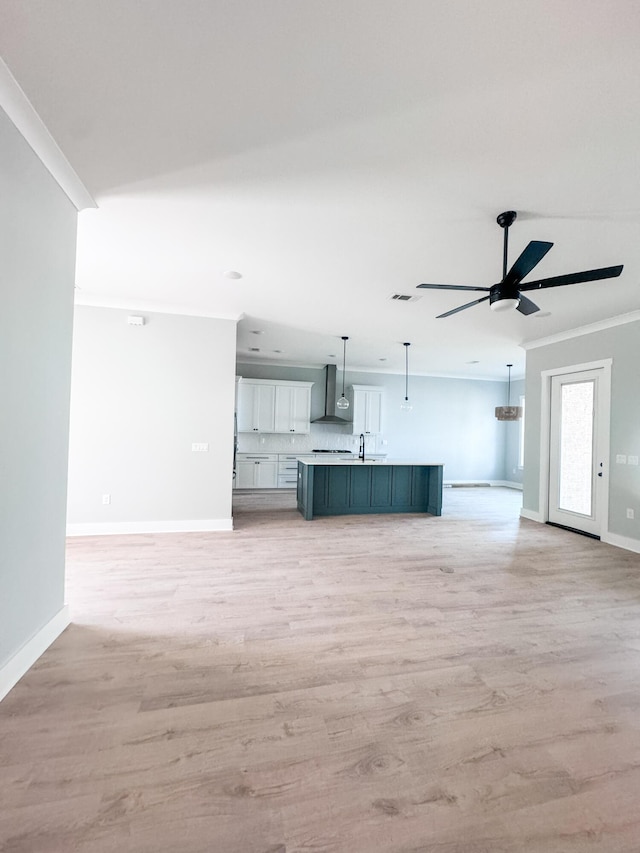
(403, 297)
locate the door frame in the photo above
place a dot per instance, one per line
(545, 432)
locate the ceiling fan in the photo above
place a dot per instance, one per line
(507, 294)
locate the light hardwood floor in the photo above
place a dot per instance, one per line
(364, 684)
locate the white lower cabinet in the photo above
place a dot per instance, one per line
(280, 470)
(256, 471)
(288, 469)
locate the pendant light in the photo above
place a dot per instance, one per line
(509, 412)
(406, 405)
(343, 403)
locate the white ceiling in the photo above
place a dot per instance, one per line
(336, 152)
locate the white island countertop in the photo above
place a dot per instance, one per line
(356, 461)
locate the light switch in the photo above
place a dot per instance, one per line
(621, 459)
(199, 447)
(632, 460)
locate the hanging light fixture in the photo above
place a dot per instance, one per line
(406, 405)
(343, 403)
(509, 412)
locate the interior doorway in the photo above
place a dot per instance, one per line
(578, 452)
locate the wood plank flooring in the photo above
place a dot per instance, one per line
(363, 684)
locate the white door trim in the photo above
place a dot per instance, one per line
(545, 430)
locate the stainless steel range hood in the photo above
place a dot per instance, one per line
(330, 416)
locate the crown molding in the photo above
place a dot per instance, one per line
(600, 326)
(21, 112)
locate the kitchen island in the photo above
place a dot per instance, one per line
(349, 487)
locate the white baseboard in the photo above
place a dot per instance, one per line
(467, 483)
(24, 658)
(508, 484)
(532, 515)
(108, 528)
(625, 542)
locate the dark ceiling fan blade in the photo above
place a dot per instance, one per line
(462, 307)
(530, 257)
(573, 278)
(453, 287)
(526, 306)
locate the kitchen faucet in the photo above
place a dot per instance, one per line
(361, 451)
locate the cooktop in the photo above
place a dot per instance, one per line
(331, 451)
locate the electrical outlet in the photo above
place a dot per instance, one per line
(106, 500)
(632, 460)
(621, 459)
(630, 513)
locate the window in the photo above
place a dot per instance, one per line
(521, 436)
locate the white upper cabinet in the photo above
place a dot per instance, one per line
(256, 406)
(293, 408)
(268, 405)
(367, 409)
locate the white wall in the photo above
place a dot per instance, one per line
(622, 344)
(511, 429)
(37, 265)
(452, 421)
(141, 395)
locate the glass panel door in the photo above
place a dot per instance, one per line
(576, 447)
(574, 464)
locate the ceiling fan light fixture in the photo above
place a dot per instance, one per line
(501, 305)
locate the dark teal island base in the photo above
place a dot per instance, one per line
(356, 488)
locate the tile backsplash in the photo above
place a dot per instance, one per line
(322, 437)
